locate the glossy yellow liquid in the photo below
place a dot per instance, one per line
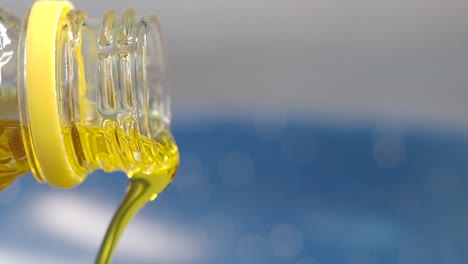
(13, 160)
(149, 163)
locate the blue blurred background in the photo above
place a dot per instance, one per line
(311, 132)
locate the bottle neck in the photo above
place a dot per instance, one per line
(113, 69)
(111, 92)
(112, 78)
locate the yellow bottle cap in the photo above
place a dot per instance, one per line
(42, 100)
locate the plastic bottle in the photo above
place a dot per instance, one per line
(79, 94)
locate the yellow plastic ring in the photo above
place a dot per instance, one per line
(41, 88)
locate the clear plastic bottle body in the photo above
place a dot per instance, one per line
(111, 91)
(13, 159)
(78, 95)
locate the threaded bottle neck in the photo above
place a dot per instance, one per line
(111, 76)
(113, 101)
(113, 69)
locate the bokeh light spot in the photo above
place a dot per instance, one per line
(220, 230)
(193, 186)
(285, 241)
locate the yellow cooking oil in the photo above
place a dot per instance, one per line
(150, 164)
(13, 160)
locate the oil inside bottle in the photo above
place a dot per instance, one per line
(149, 163)
(13, 160)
